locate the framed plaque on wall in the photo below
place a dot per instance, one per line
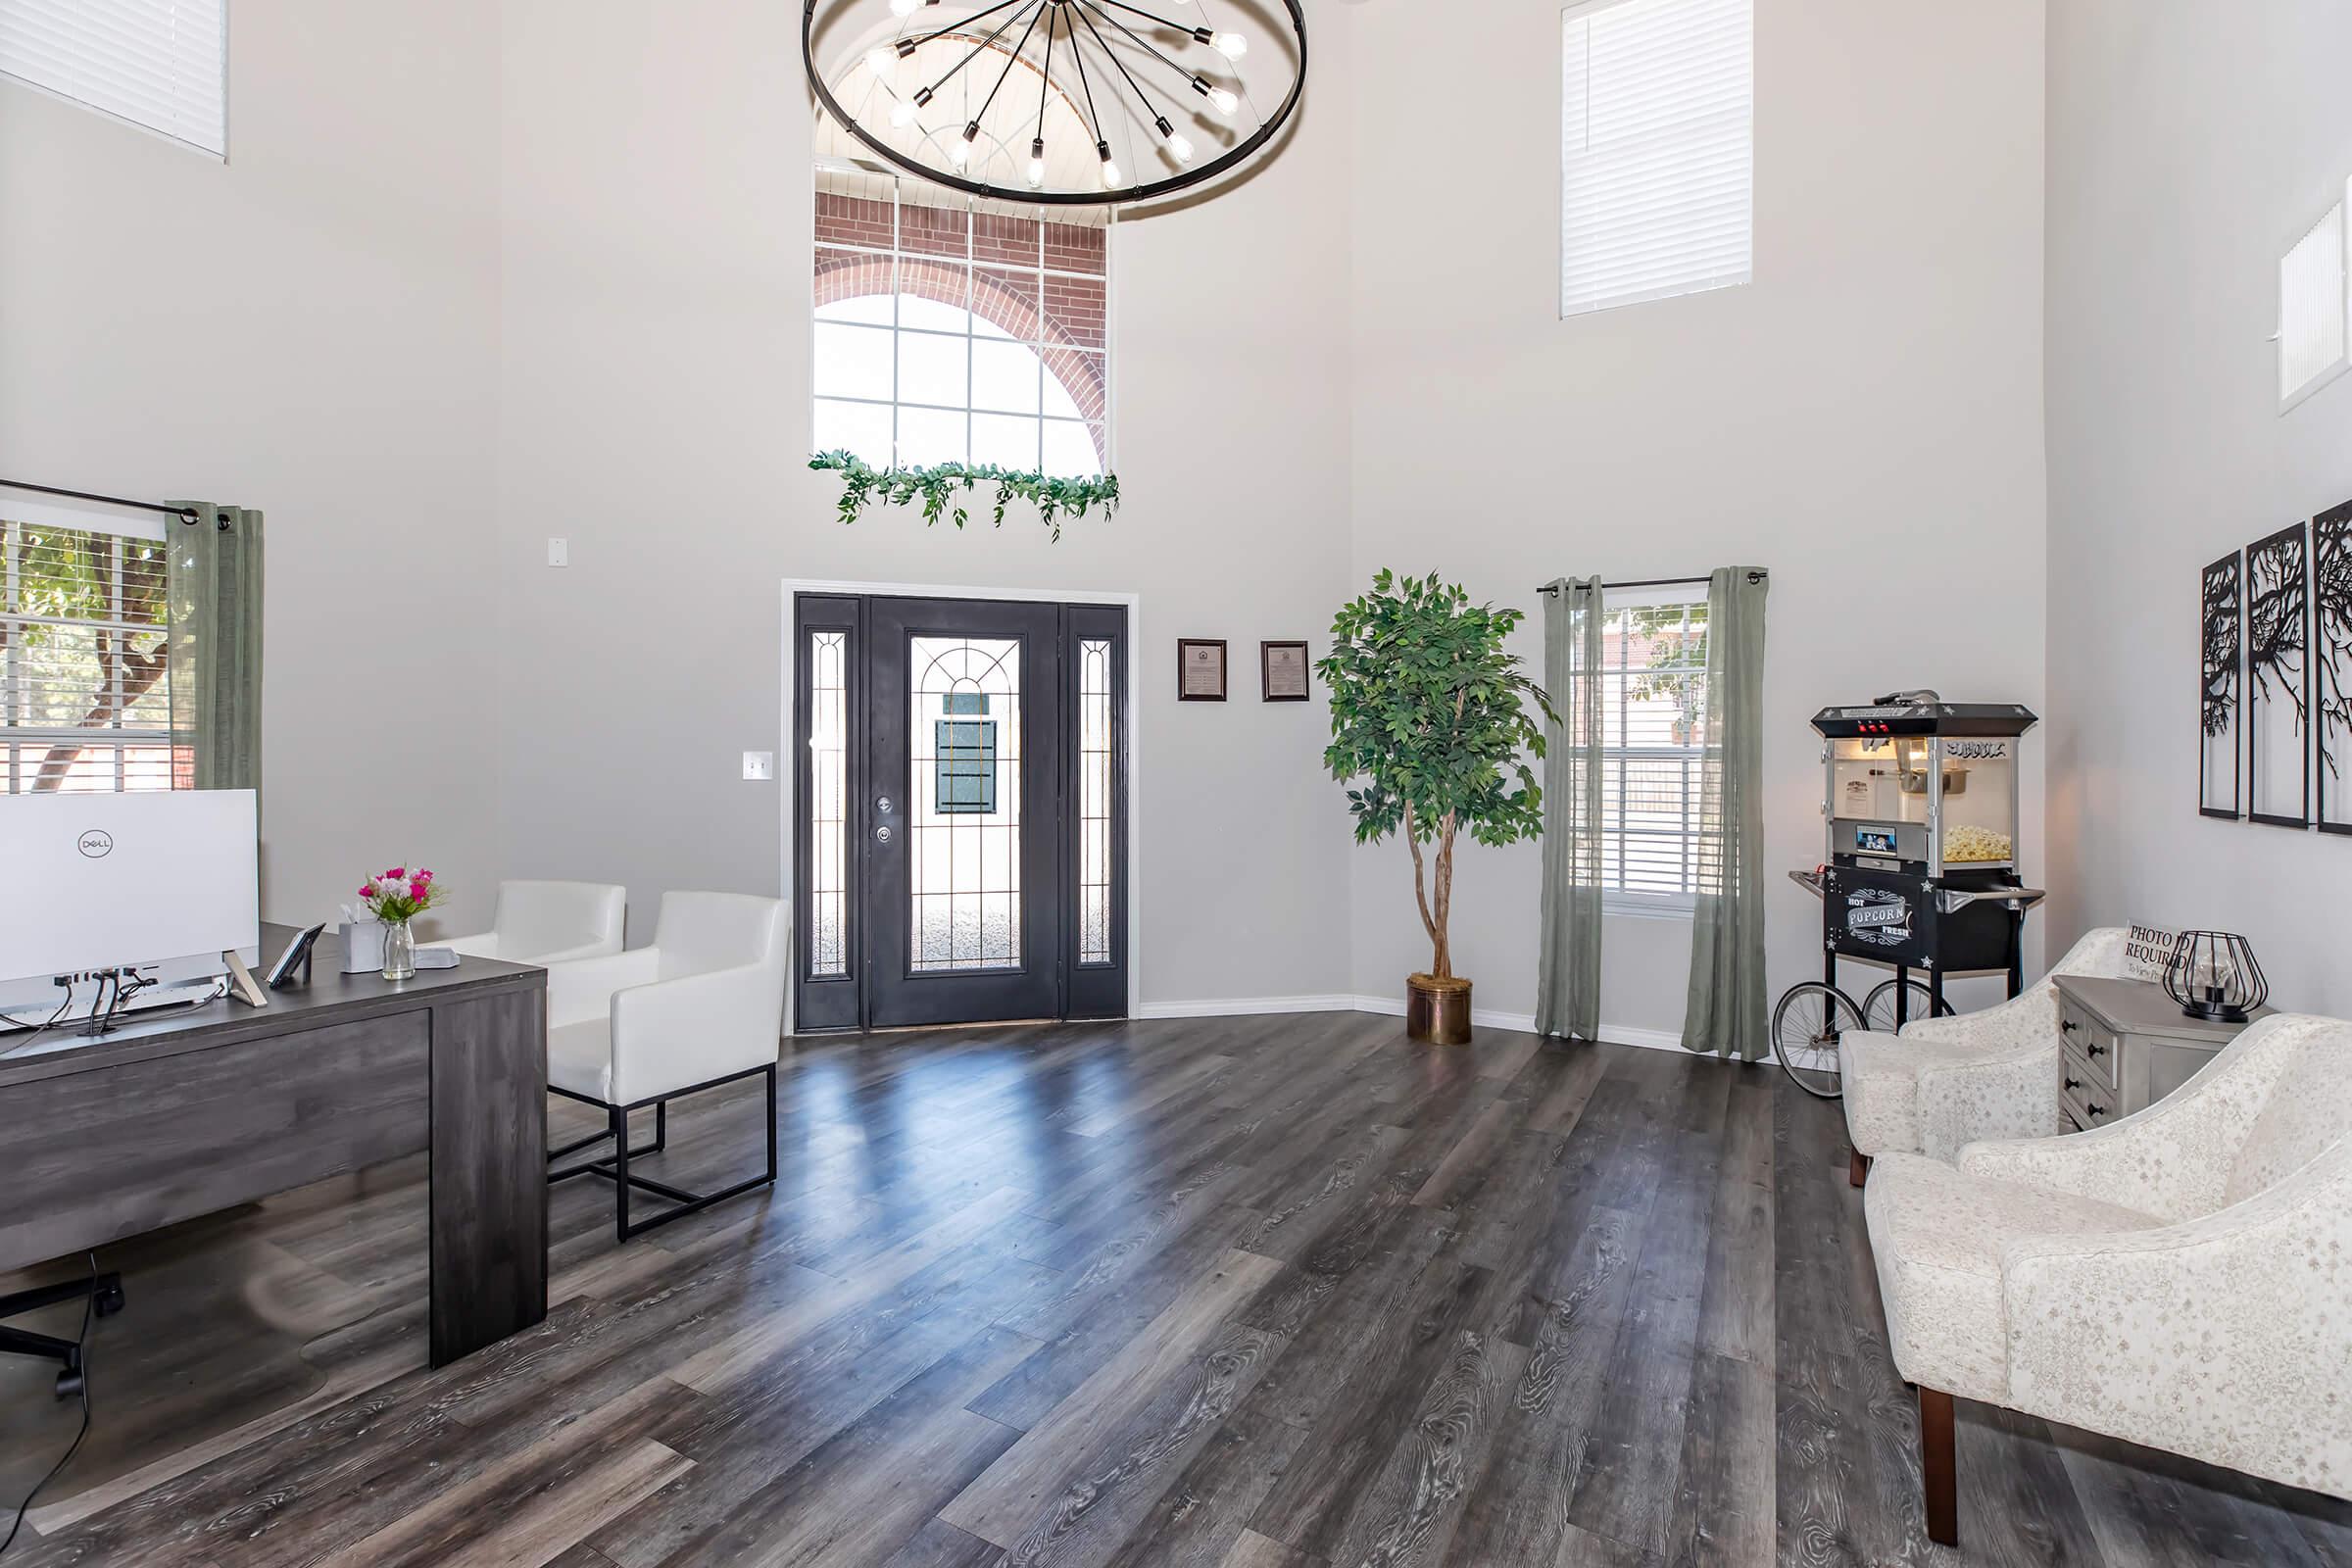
(1199, 669)
(1282, 672)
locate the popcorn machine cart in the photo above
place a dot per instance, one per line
(1921, 815)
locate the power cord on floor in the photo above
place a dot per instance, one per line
(82, 1345)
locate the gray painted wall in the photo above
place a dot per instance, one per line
(311, 328)
(655, 245)
(1864, 419)
(2192, 141)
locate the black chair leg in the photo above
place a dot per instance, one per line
(620, 1173)
(614, 1168)
(104, 1291)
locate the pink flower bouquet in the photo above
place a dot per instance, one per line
(399, 894)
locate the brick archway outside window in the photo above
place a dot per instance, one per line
(1070, 345)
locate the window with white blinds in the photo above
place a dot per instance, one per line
(1656, 150)
(162, 64)
(85, 693)
(2311, 311)
(1653, 729)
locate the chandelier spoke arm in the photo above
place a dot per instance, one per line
(1078, 58)
(960, 25)
(1010, 61)
(1045, 78)
(1143, 99)
(1199, 34)
(1002, 29)
(1083, 6)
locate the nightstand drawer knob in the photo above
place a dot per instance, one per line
(2097, 1110)
(2074, 1083)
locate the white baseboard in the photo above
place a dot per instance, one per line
(1525, 1024)
(1391, 1007)
(1246, 1007)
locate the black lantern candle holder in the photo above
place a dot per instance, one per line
(2213, 975)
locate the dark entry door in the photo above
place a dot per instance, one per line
(961, 821)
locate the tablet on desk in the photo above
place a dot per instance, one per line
(296, 957)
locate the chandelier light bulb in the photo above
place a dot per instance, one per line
(1037, 163)
(960, 151)
(882, 62)
(1232, 45)
(903, 113)
(1180, 146)
(1220, 98)
(903, 8)
(1112, 179)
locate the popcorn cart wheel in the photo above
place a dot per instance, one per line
(1884, 1012)
(1805, 1028)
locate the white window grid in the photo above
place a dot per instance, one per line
(1099, 430)
(1653, 753)
(126, 749)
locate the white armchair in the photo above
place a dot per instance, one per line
(549, 923)
(2181, 1278)
(704, 1006)
(1945, 1081)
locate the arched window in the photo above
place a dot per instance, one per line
(945, 333)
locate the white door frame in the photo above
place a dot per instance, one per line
(788, 769)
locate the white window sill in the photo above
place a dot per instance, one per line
(1647, 906)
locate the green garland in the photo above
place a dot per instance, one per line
(1054, 499)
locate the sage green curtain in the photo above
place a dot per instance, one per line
(1568, 974)
(1724, 1011)
(213, 585)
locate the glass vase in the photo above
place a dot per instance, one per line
(400, 950)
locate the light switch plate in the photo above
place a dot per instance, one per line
(759, 764)
(559, 551)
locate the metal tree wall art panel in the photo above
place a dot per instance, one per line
(2331, 663)
(2221, 687)
(2277, 679)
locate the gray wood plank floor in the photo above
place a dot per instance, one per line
(1250, 1293)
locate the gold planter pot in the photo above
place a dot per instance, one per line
(1437, 1011)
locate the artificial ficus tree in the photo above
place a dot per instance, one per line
(1428, 710)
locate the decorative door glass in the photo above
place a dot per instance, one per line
(1093, 801)
(965, 818)
(828, 776)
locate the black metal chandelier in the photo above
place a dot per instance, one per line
(1058, 102)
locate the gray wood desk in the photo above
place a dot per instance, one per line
(2126, 1044)
(185, 1113)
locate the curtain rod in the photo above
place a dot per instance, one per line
(1660, 582)
(183, 513)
